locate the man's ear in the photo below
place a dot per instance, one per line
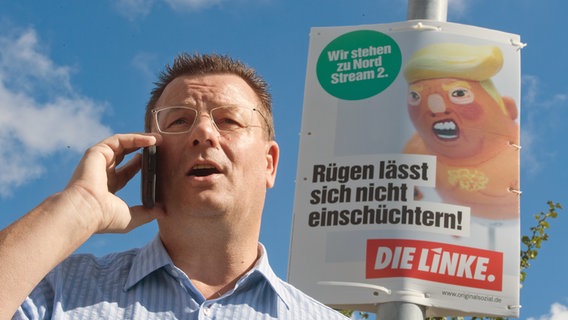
(272, 156)
(511, 107)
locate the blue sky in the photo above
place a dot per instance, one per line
(73, 72)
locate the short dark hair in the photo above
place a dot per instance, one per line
(203, 64)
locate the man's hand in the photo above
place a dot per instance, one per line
(98, 177)
(41, 239)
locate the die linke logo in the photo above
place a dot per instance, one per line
(433, 261)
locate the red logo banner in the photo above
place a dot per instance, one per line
(434, 261)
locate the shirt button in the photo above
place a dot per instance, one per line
(207, 310)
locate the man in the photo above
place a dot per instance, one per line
(211, 118)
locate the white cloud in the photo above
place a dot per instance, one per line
(539, 109)
(40, 112)
(531, 84)
(191, 5)
(143, 62)
(133, 9)
(458, 8)
(557, 312)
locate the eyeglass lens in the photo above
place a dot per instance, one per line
(182, 119)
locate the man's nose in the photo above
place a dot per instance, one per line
(203, 130)
(204, 119)
(436, 103)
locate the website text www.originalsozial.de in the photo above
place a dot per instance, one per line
(472, 296)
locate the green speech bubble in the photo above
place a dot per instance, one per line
(359, 64)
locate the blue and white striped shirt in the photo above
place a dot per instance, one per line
(145, 284)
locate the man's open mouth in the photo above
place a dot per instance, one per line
(202, 170)
(446, 130)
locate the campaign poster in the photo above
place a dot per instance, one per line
(408, 170)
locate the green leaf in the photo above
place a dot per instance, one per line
(545, 224)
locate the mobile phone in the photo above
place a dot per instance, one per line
(148, 183)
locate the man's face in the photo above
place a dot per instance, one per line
(458, 118)
(208, 173)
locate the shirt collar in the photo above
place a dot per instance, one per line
(154, 256)
(150, 258)
(263, 268)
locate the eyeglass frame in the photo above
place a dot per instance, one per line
(156, 110)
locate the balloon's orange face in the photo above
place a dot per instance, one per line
(458, 118)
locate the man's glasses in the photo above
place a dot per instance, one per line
(177, 120)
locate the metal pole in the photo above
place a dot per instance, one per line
(400, 311)
(417, 10)
(428, 9)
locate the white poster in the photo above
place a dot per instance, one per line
(408, 172)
